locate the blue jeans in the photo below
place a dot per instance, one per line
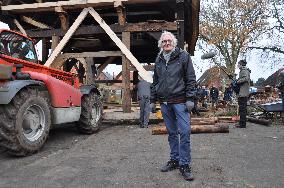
(177, 121)
(144, 103)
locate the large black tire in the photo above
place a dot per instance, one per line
(25, 122)
(91, 114)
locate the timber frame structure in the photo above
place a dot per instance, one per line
(96, 33)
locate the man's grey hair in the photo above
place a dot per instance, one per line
(174, 42)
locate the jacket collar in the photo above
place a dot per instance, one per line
(174, 54)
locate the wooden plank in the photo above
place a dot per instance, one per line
(20, 27)
(66, 38)
(35, 23)
(49, 6)
(142, 72)
(128, 27)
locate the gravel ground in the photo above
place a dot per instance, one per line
(127, 156)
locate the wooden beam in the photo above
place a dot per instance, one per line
(142, 72)
(49, 6)
(66, 38)
(63, 18)
(128, 27)
(90, 54)
(44, 50)
(146, 67)
(110, 81)
(126, 98)
(54, 42)
(90, 77)
(58, 62)
(118, 75)
(104, 65)
(135, 89)
(35, 23)
(121, 13)
(20, 27)
(180, 21)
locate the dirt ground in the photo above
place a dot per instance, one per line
(128, 156)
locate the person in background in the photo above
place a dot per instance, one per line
(204, 97)
(243, 82)
(214, 95)
(195, 109)
(174, 87)
(143, 89)
(228, 93)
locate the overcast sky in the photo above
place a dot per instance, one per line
(259, 69)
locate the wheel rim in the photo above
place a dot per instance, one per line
(96, 113)
(33, 122)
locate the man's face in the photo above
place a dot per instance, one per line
(167, 43)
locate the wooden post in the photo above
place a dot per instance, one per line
(55, 42)
(180, 21)
(63, 18)
(121, 13)
(126, 99)
(89, 73)
(135, 82)
(44, 51)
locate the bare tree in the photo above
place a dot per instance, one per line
(230, 25)
(275, 34)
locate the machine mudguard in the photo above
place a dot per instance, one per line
(62, 94)
(87, 89)
(9, 89)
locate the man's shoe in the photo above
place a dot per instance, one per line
(171, 165)
(185, 170)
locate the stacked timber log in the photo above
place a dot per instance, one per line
(201, 125)
(259, 121)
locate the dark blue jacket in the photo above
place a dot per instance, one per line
(175, 80)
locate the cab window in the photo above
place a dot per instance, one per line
(18, 46)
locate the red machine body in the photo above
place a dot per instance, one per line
(62, 86)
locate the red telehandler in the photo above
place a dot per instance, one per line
(34, 97)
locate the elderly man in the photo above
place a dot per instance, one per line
(174, 87)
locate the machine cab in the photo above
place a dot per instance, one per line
(17, 46)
